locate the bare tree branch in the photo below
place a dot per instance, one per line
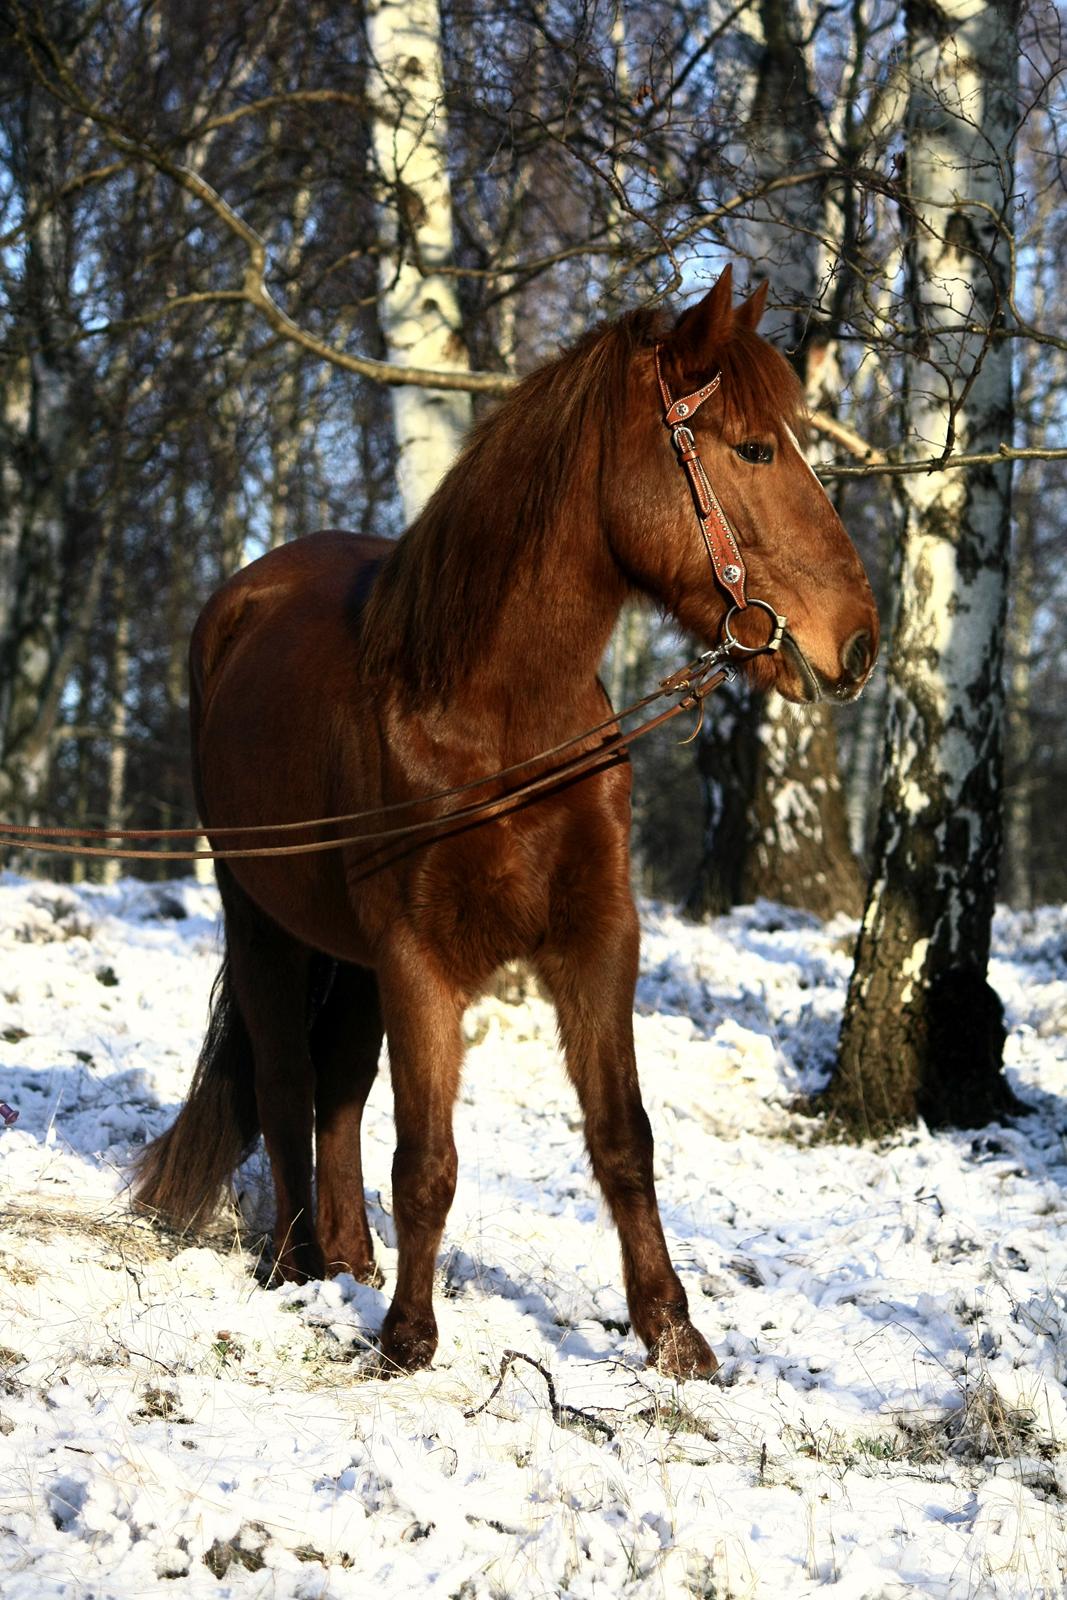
(899, 469)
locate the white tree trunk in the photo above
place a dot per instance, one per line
(418, 307)
(923, 1032)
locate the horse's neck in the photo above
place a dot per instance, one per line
(539, 664)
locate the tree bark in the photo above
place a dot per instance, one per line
(923, 1032)
(775, 819)
(43, 438)
(776, 813)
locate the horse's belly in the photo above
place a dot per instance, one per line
(306, 894)
(478, 900)
(286, 732)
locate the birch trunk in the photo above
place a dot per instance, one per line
(923, 1031)
(418, 308)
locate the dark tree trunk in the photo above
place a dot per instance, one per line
(775, 817)
(776, 825)
(43, 437)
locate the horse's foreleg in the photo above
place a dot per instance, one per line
(422, 1014)
(345, 1043)
(591, 980)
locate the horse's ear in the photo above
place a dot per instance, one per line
(751, 310)
(706, 324)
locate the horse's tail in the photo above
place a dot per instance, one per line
(180, 1174)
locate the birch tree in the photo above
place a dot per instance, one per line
(418, 308)
(923, 1031)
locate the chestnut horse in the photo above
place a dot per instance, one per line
(342, 673)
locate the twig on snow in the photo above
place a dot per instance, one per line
(564, 1416)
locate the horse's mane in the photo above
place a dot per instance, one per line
(439, 593)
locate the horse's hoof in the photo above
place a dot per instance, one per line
(371, 1275)
(408, 1346)
(368, 1272)
(296, 1267)
(682, 1352)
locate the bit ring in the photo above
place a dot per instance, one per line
(731, 642)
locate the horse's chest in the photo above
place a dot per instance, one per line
(484, 899)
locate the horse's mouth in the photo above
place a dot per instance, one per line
(812, 687)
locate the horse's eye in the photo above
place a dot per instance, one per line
(756, 452)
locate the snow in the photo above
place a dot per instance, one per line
(890, 1418)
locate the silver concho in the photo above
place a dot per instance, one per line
(731, 573)
(682, 410)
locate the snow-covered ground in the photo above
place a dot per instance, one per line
(890, 1418)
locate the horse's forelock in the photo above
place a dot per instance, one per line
(761, 393)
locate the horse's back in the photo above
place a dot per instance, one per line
(322, 580)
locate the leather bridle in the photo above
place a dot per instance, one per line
(720, 541)
(691, 683)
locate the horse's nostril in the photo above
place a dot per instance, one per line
(857, 656)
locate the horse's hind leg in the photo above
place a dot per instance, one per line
(591, 978)
(346, 1039)
(270, 972)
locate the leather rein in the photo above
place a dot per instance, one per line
(691, 683)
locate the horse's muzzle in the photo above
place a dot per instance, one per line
(858, 656)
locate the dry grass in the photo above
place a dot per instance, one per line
(981, 1427)
(136, 1239)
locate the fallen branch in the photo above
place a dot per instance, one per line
(564, 1416)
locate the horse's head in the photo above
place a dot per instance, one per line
(798, 557)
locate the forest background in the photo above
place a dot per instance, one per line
(230, 231)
